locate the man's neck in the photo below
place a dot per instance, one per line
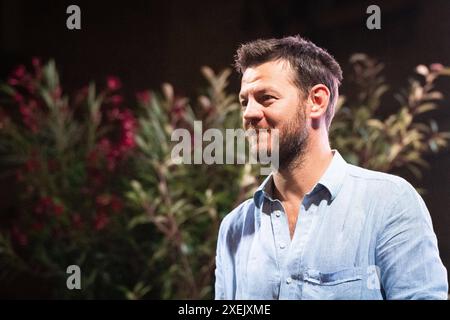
(291, 184)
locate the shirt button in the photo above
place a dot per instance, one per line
(277, 213)
(289, 280)
(282, 245)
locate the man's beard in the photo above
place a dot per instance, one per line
(293, 142)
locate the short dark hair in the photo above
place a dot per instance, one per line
(311, 64)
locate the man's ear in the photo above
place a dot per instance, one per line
(319, 96)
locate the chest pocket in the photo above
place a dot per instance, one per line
(342, 284)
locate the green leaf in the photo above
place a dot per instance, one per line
(7, 89)
(425, 108)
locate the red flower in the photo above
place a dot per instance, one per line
(18, 98)
(44, 205)
(36, 62)
(143, 97)
(19, 72)
(114, 114)
(116, 204)
(101, 220)
(115, 99)
(113, 83)
(177, 112)
(13, 82)
(111, 161)
(47, 202)
(104, 145)
(128, 124)
(127, 140)
(29, 115)
(58, 210)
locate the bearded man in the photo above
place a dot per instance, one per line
(318, 227)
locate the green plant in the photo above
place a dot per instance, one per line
(94, 183)
(184, 202)
(397, 140)
(67, 160)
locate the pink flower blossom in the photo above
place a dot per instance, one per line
(29, 115)
(18, 97)
(436, 67)
(143, 97)
(13, 82)
(115, 100)
(36, 62)
(19, 72)
(101, 220)
(44, 205)
(113, 83)
(114, 114)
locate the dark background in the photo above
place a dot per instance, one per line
(146, 43)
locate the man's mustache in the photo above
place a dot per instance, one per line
(257, 129)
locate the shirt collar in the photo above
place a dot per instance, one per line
(334, 176)
(264, 190)
(332, 180)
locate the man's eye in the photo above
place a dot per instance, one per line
(243, 103)
(267, 97)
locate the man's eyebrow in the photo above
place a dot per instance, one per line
(243, 94)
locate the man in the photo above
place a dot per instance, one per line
(318, 228)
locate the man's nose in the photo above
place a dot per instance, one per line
(253, 112)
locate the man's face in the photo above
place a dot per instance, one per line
(271, 100)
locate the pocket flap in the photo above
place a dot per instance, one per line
(332, 278)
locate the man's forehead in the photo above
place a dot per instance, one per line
(254, 87)
(265, 70)
(268, 74)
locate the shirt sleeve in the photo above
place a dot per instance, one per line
(219, 283)
(407, 252)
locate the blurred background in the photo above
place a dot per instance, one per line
(86, 118)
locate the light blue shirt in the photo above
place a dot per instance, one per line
(360, 234)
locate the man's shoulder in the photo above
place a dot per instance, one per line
(392, 184)
(235, 219)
